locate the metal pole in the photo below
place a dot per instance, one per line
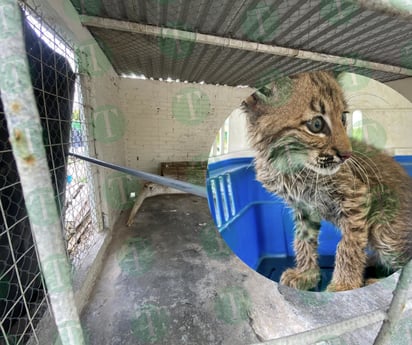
(165, 181)
(27, 142)
(329, 332)
(397, 307)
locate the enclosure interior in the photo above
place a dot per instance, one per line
(184, 286)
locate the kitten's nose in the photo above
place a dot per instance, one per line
(344, 155)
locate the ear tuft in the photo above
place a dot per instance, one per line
(251, 101)
(251, 107)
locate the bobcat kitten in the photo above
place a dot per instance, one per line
(304, 155)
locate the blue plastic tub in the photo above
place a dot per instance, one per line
(257, 225)
(406, 162)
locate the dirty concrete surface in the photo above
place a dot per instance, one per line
(171, 279)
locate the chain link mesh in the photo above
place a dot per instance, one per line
(23, 296)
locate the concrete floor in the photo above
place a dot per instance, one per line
(170, 279)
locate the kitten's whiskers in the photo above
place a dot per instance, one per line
(372, 170)
(375, 170)
(352, 167)
(298, 177)
(361, 170)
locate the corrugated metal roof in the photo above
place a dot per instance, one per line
(341, 28)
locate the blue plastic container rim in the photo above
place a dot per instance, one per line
(231, 162)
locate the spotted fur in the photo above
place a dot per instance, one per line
(323, 174)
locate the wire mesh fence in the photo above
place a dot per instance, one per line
(22, 291)
(82, 204)
(59, 99)
(81, 217)
(67, 128)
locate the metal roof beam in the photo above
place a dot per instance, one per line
(183, 35)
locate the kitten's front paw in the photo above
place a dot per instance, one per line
(371, 281)
(302, 280)
(336, 287)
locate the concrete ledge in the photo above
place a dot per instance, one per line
(170, 279)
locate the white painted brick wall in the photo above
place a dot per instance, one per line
(172, 121)
(104, 95)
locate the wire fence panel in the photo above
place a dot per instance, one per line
(23, 296)
(82, 219)
(82, 201)
(22, 290)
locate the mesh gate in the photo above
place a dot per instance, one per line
(56, 86)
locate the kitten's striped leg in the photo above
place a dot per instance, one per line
(350, 260)
(351, 257)
(306, 275)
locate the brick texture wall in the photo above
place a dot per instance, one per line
(172, 121)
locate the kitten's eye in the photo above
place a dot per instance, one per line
(316, 124)
(344, 116)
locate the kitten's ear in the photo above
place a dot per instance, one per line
(333, 73)
(251, 107)
(261, 95)
(251, 101)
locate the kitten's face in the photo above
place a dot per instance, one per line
(309, 130)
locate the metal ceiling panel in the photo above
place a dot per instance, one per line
(342, 28)
(157, 58)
